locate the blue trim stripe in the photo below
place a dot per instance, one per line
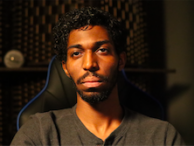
(32, 100)
(154, 99)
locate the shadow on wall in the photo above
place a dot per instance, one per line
(180, 110)
(177, 90)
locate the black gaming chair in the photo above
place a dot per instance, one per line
(59, 93)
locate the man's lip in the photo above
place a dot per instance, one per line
(91, 79)
(92, 84)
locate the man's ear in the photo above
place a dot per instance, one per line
(65, 68)
(122, 60)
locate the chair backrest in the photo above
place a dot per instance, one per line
(59, 93)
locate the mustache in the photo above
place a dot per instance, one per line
(101, 77)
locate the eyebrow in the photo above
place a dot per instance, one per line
(97, 44)
(75, 46)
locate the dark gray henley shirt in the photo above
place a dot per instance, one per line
(63, 127)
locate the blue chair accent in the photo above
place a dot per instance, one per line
(31, 101)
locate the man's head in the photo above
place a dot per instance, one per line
(91, 55)
(84, 17)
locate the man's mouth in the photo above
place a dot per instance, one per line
(92, 82)
(92, 77)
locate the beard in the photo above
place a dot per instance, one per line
(95, 95)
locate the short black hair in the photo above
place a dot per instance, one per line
(83, 17)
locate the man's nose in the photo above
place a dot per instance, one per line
(90, 62)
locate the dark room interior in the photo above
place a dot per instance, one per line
(159, 53)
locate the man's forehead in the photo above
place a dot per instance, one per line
(91, 33)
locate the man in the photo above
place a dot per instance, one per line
(91, 43)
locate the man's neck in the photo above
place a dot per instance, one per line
(103, 118)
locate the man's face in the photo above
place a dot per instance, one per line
(92, 63)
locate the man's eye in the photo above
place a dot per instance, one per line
(103, 50)
(74, 54)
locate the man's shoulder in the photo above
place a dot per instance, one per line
(42, 125)
(53, 115)
(143, 120)
(151, 130)
(142, 123)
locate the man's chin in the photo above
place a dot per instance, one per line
(94, 97)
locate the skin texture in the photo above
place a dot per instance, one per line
(93, 64)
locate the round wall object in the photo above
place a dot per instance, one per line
(13, 59)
